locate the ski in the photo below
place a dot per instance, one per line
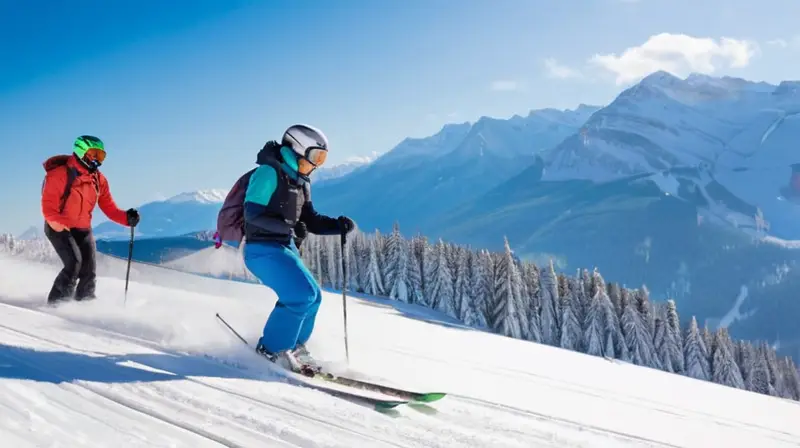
(378, 404)
(419, 397)
(406, 395)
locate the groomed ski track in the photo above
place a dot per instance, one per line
(78, 382)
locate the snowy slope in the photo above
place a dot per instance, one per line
(111, 374)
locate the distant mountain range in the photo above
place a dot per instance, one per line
(690, 186)
(32, 233)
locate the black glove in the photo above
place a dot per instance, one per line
(346, 225)
(133, 217)
(300, 233)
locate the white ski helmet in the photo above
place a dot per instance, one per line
(310, 145)
(302, 137)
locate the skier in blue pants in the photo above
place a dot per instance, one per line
(277, 198)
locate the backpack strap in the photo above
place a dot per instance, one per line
(72, 173)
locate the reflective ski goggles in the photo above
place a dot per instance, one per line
(314, 158)
(316, 155)
(95, 155)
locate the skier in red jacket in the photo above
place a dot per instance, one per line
(72, 187)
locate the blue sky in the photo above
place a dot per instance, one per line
(184, 93)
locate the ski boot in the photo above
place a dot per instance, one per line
(287, 360)
(302, 354)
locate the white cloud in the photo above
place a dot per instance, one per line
(778, 43)
(505, 85)
(678, 54)
(793, 42)
(556, 70)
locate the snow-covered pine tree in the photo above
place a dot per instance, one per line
(394, 246)
(332, 262)
(373, 284)
(398, 269)
(624, 300)
(451, 255)
(441, 294)
(791, 376)
(664, 345)
(708, 339)
(416, 293)
(674, 331)
(468, 313)
(532, 278)
(586, 289)
(549, 301)
(724, 369)
(638, 337)
(645, 308)
(431, 258)
(420, 250)
(364, 254)
(353, 279)
(563, 284)
(771, 359)
(695, 353)
(777, 387)
(615, 341)
(615, 294)
(533, 330)
(380, 254)
(462, 285)
(593, 326)
(743, 356)
(508, 289)
(571, 331)
(757, 378)
(482, 286)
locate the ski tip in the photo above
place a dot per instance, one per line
(430, 397)
(388, 405)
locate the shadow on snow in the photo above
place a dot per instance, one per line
(22, 363)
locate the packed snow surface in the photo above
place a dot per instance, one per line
(147, 371)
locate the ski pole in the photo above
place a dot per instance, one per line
(130, 256)
(344, 294)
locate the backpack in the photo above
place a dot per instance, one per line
(230, 220)
(72, 174)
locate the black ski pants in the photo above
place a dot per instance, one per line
(77, 250)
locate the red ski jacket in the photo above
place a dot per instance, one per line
(87, 190)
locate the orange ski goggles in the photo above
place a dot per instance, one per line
(95, 154)
(314, 158)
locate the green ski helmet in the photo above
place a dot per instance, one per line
(83, 144)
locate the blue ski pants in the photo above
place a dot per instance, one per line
(299, 296)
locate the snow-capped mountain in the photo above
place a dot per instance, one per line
(32, 233)
(743, 136)
(201, 197)
(326, 173)
(179, 215)
(421, 178)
